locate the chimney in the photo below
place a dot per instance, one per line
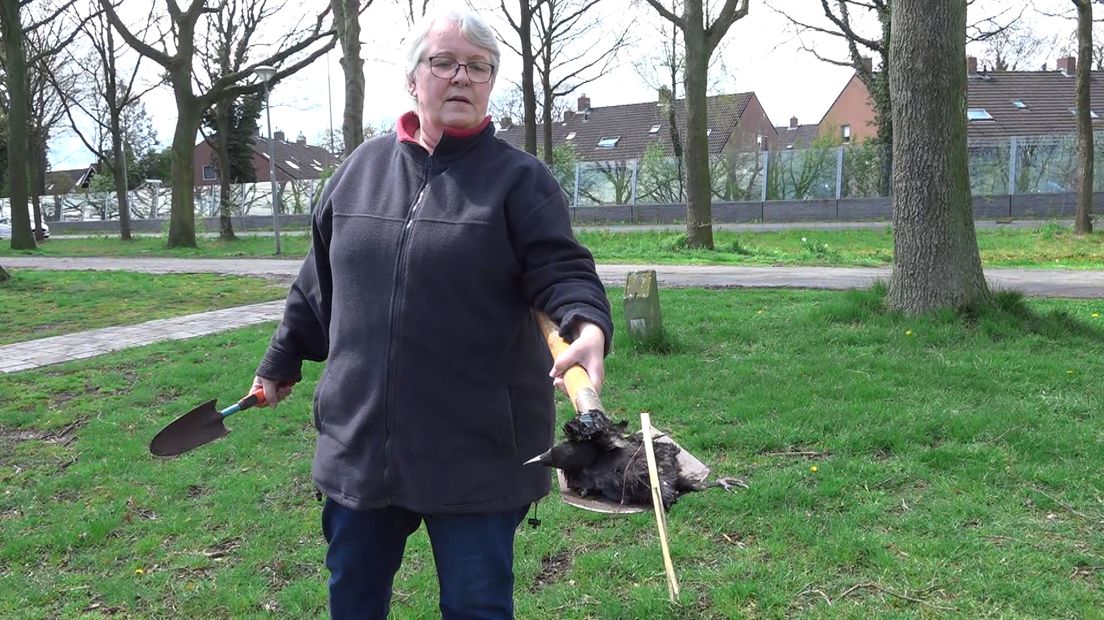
(568, 115)
(664, 95)
(278, 135)
(971, 65)
(584, 103)
(1068, 65)
(506, 122)
(793, 122)
(867, 64)
(301, 140)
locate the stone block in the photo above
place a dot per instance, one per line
(642, 312)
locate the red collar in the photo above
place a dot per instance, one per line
(407, 126)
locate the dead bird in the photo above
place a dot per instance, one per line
(599, 459)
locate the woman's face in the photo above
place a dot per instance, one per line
(455, 101)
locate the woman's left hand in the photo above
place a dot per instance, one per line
(588, 351)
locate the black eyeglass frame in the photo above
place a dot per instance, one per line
(459, 65)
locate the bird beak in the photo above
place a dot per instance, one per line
(542, 459)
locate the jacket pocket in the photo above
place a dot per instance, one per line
(507, 427)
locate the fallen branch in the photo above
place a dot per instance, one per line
(802, 453)
(1059, 502)
(874, 586)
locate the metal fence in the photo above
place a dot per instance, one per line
(153, 201)
(1006, 166)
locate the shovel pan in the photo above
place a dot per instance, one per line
(199, 426)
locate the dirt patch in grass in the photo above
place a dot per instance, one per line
(553, 568)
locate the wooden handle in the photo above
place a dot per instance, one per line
(579, 388)
(657, 504)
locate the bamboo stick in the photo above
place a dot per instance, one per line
(657, 503)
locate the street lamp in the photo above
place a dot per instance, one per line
(266, 73)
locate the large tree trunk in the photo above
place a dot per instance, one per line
(4, 277)
(936, 262)
(699, 212)
(182, 214)
(1083, 221)
(37, 175)
(347, 24)
(528, 66)
(18, 121)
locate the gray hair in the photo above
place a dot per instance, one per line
(471, 25)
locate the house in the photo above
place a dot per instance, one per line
(1000, 104)
(795, 136)
(737, 122)
(64, 181)
(295, 161)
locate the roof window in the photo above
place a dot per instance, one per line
(978, 114)
(709, 131)
(655, 129)
(1092, 114)
(570, 136)
(608, 143)
(1019, 104)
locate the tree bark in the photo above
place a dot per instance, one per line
(347, 24)
(546, 116)
(528, 66)
(1083, 220)
(936, 262)
(18, 121)
(118, 173)
(182, 212)
(699, 211)
(222, 150)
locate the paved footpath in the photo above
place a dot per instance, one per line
(45, 351)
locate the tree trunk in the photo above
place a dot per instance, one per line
(1083, 221)
(347, 24)
(182, 213)
(546, 116)
(4, 277)
(222, 150)
(18, 121)
(936, 262)
(118, 174)
(528, 88)
(699, 212)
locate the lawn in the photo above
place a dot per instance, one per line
(1048, 245)
(957, 473)
(37, 304)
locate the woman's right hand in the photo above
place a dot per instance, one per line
(274, 391)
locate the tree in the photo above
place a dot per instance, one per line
(936, 262)
(1015, 48)
(347, 24)
(21, 138)
(306, 45)
(700, 40)
(1083, 220)
(523, 27)
(231, 131)
(569, 45)
(108, 94)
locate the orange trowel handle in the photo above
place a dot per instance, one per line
(579, 388)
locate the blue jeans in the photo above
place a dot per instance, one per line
(474, 555)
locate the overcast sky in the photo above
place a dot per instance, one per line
(762, 54)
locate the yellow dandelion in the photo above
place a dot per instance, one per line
(908, 332)
(1069, 372)
(813, 469)
(139, 571)
(1096, 315)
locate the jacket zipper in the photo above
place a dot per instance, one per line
(392, 353)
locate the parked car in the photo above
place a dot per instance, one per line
(6, 229)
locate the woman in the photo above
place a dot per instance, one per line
(428, 252)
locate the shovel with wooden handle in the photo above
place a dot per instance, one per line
(579, 388)
(200, 426)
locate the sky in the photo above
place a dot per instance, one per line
(761, 53)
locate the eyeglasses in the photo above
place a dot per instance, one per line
(447, 68)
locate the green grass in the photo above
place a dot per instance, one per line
(1049, 245)
(37, 304)
(958, 465)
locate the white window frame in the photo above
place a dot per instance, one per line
(978, 114)
(609, 142)
(214, 173)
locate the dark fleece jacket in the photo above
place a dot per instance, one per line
(417, 292)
